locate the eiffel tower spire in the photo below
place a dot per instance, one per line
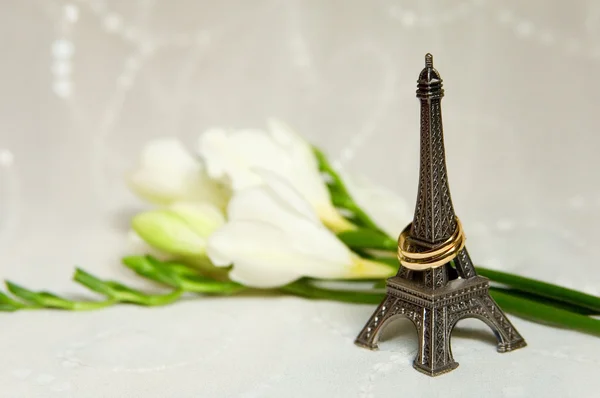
(434, 219)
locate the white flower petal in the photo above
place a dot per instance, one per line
(204, 218)
(137, 246)
(234, 154)
(274, 201)
(214, 140)
(270, 244)
(388, 210)
(257, 204)
(326, 256)
(309, 237)
(364, 268)
(244, 157)
(168, 173)
(168, 152)
(260, 252)
(169, 233)
(247, 277)
(309, 180)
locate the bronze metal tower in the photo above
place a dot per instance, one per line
(436, 284)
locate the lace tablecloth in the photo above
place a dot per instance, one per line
(86, 83)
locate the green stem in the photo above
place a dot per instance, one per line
(362, 238)
(546, 314)
(92, 305)
(340, 195)
(566, 313)
(544, 300)
(543, 289)
(158, 300)
(303, 288)
(522, 307)
(179, 276)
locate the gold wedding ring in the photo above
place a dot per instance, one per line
(422, 260)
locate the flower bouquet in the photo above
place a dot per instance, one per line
(252, 211)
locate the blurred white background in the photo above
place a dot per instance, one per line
(84, 84)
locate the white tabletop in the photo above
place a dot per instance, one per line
(85, 83)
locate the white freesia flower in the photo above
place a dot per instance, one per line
(238, 156)
(179, 230)
(274, 237)
(138, 246)
(389, 211)
(167, 173)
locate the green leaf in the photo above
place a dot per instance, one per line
(91, 282)
(178, 269)
(380, 284)
(168, 232)
(126, 294)
(544, 300)
(340, 195)
(21, 292)
(4, 307)
(339, 198)
(544, 289)
(9, 302)
(43, 299)
(391, 261)
(153, 269)
(181, 276)
(199, 284)
(51, 300)
(546, 314)
(304, 288)
(119, 292)
(367, 239)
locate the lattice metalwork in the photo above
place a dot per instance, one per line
(436, 298)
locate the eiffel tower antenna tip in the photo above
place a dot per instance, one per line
(429, 60)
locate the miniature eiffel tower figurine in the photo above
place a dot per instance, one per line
(436, 285)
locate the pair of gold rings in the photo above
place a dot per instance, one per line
(422, 260)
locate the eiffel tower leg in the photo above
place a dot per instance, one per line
(368, 337)
(435, 356)
(389, 308)
(508, 337)
(464, 265)
(404, 272)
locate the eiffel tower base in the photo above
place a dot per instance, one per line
(435, 312)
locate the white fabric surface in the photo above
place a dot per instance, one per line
(85, 83)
